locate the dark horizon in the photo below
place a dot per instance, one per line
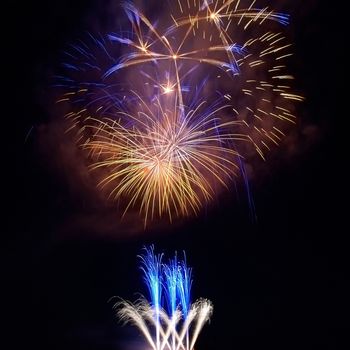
(280, 281)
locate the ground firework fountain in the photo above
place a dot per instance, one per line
(169, 321)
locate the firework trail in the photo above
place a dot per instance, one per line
(179, 327)
(168, 109)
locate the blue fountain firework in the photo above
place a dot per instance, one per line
(169, 321)
(169, 285)
(153, 275)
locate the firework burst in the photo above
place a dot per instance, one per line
(167, 111)
(164, 162)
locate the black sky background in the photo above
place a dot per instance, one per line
(281, 282)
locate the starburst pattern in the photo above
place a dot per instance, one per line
(169, 105)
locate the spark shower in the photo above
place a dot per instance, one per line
(169, 109)
(169, 321)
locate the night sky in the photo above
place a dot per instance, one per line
(278, 282)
